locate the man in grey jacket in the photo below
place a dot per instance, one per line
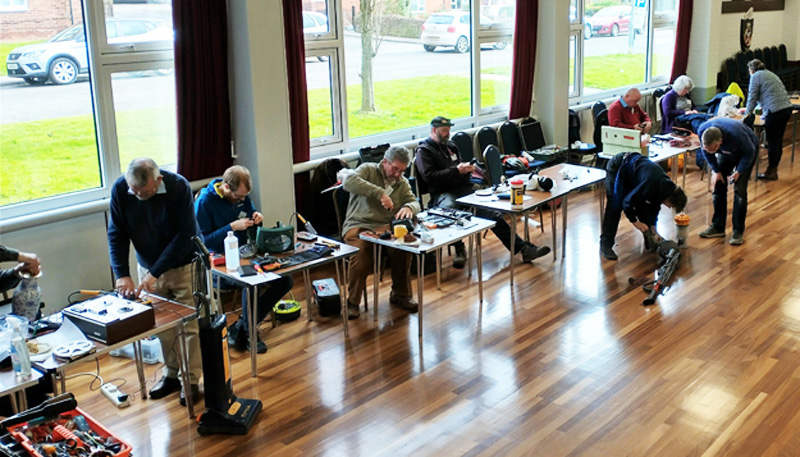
(378, 193)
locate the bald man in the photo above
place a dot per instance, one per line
(626, 113)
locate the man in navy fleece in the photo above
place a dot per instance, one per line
(152, 209)
(224, 205)
(730, 148)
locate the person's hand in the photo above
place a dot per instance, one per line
(404, 213)
(641, 226)
(30, 262)
(387, 202)
(638, 127)
(692, 111)
(465, 168)
(241, 224)
(646, 126)
(716, 177)
(126, 287)
(257, 218)
(734, 177)
(148, 284)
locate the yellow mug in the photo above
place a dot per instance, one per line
(400, 231)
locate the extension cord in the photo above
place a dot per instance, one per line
(113, 393)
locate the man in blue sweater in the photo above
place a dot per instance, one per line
(637, 186)
(152, 209)
(730, 148)
(224, 205)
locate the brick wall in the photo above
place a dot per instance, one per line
(43, 19)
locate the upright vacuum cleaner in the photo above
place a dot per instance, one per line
(225, 413)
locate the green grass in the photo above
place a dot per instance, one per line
(613, 70)
(5, 49)
(59, 156)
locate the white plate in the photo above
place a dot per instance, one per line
(483, 192)
(43, 353)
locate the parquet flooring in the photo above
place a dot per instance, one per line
(565, 363)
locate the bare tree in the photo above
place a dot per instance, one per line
(373, 18)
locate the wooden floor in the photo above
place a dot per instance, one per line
(566, 363)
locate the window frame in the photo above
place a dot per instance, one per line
(104, 60)
(11, 8)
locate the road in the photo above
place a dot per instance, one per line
(395, 60)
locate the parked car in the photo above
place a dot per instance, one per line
(611, 20)
(62, 58)
(587, 27)
(314, 22)
(451, 29)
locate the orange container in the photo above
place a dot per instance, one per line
(17, 432)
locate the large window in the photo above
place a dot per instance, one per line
(81, 100)
(381, 74)
(619, 43)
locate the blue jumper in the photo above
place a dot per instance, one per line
(215, 214)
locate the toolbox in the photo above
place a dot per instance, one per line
(58, 427)
(326, 294)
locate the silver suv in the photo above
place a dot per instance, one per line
(63, 57)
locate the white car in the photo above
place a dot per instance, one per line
(314, 22)
(451, 29)
(62, 58)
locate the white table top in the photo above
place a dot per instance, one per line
(441, 236)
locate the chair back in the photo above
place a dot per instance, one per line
(743, 75)
(418, 185)
(372, 154)
(776, 58)
(532, 134)
(341, 198)
(494, 166)
(782, 54)
(599, 121)
(768, 59)
(464, 143)
(597, 107)
(731, 71)
(748, 55)
(758, 54)
(574, 127)
(512, 141)
(487, 136)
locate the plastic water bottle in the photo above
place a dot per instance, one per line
(20, 358)
(231, 252)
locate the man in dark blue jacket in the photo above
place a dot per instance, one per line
(637, 186)
(152, 209)
(224, 205)
(730, 148)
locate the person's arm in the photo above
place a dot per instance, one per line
(632, 202)
(356, 183)
(749, 148)
(118, 239)
(643, 117)
(426, 166)
(753, 93)
(8, 279)
(668, 105)
(182, 213)
(212, 236)
(7, 254)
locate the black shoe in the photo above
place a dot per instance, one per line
(261, 347)
(531, 252)
(771, 174)
(460, 258)
(235, 340)
(353, 311)
(608, 253)
(165, 387)
(195, 395)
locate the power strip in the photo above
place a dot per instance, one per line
(113, 393)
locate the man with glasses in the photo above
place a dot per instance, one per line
(222, 206)
(378, 193)
(152, 209)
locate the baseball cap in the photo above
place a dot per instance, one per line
(441, 121)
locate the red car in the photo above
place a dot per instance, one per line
(611, 20)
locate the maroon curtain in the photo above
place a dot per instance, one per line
(525, 30)
(682, 39)
(201, 88)
(298, 96)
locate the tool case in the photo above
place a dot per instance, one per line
(60, 421)
(326, 294)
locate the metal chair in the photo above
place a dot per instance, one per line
(463, 141)
(487, 136)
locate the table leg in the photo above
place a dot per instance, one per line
(420, 287)
(376, 250)
(602, 201)
(438, 268)
(795, 114)
(14, 407)
(183, 360)
(685, 165)
(341, 277)
(469, 258)
(527, 228)
(553, 211)
(23, 400)
(63, 375)
(674, 176)
(564, 205)
(137, 356)
(513, 247)
(479, 258)
(307, 285)
(252, 326)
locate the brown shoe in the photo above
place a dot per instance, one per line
(771, 174)
(405, 302)
(353, 311)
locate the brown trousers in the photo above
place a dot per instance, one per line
(362, 265)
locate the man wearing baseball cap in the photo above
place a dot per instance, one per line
(441, 173)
